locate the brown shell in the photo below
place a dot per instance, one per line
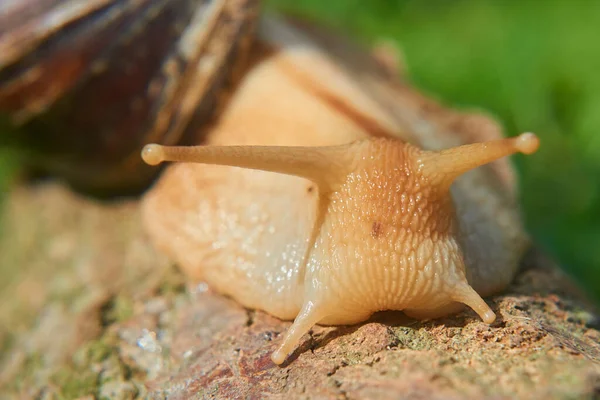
(86, 83)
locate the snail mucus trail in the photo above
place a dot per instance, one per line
(350, 267)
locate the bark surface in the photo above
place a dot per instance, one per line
(90, 310)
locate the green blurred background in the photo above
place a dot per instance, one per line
(535, 64)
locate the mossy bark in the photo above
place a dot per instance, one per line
(90, 309)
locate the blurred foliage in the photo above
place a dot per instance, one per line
(535, 65)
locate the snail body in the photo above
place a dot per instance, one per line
(317, 208)
(347, 206)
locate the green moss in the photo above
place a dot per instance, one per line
(8, 339)
(75, 382)
(413, 339)
(27, 373)
(80, 378)
(118, 309)
(353, 357)
(96, 351)
(173, 282)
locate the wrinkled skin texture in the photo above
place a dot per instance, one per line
(257, 236)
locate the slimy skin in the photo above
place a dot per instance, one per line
(309, 202)
(384, 233)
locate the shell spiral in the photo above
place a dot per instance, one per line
(84, 84)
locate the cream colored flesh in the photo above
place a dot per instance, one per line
(274, 242)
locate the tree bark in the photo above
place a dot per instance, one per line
(91, 310)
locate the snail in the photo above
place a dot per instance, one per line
(348, 205)
(317, 197)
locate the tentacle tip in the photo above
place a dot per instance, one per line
(527, 143)
(278, 357)
(488, 317)
(153, 154)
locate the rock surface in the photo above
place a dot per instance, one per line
(89, 310)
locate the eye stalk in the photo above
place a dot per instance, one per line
(527, 143)
(153, 154)
(443, 167)
(329, 165)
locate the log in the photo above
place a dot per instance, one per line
(91, 310)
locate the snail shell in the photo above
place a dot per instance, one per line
(347, 214)
(84, 84)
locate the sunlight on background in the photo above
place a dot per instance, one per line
(535, 65)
